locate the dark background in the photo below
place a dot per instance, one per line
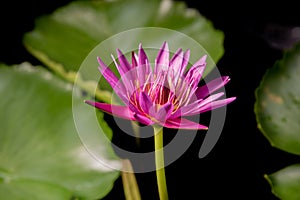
(256, 34)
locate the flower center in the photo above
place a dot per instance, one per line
(160, 95)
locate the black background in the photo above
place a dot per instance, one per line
(256, 33)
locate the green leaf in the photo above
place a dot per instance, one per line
(63, 39)
(277, 104)
(41, 155)
(30, 189)
(286, 182)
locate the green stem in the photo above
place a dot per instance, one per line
(159, 163)
(136, 131)
(131, 189)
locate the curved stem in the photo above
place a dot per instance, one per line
(159, 163)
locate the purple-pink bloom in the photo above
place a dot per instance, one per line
(164, 95)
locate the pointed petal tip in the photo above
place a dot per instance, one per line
(203, 59)
(202, 127)
(115, 110)
(114, 59)
(201, 63)
(228, 100)
(182, 123)
(231, 99)
(119, 51)
(92, 103)
(101, 63)
(226, 79)
(165, 46)
(187, 54)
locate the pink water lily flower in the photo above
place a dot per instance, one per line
(162, 96)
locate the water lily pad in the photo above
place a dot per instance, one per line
(278, 103)
(286, 182)
(63, 39)
(41, 155)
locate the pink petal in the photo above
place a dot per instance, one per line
(194, 75)
(162, 59)
(138, 114)
(175, 68)
(201, 61)
(145, 102)
(193, 108)
(185, 61)
(142, 119)
(144, 62)
(107, 73)
(210, 99)
(124, 64)
(176, 61)
(134, 60)
(137, 71)
(211, 87)
(132, 106)
(119, 111)
(182, 123)
(164, 112)
(126, 78)
(216, 104)
(142, 56)
(112, 79)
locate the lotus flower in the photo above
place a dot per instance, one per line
(164, 95)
